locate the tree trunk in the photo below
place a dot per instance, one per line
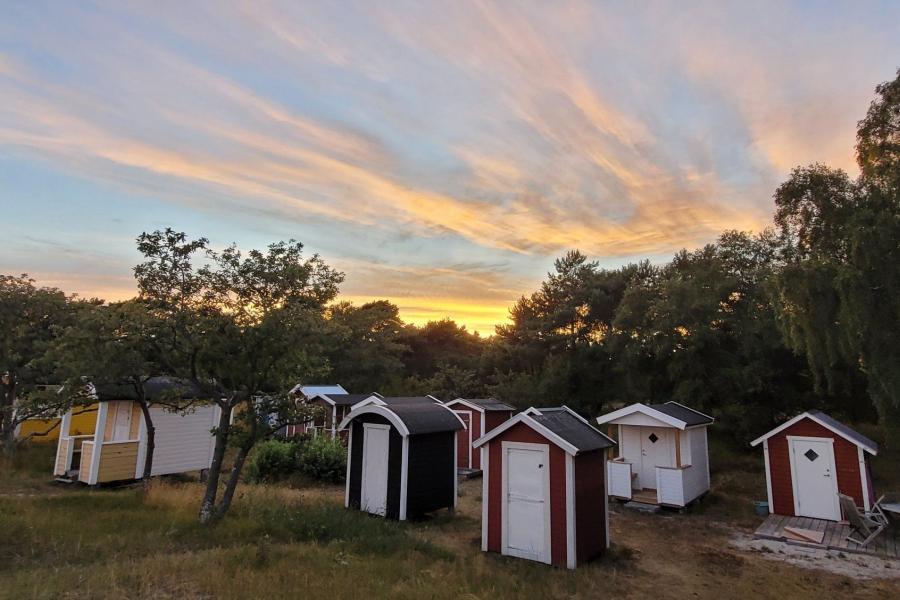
(208, 504)
(151, 439)
(233, 479)
(7, 415)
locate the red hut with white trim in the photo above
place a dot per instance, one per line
(480, 416)
(810, 460)
(544, 488)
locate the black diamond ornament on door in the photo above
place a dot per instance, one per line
(811, 455)
(653, 438)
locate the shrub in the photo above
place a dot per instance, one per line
(324, 458)
(272, 460)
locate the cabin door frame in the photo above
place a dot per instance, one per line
(374, 479)
(525, 501)
(814, 481)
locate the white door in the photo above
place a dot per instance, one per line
(526, 501)
(656, 451)
(815, 479)
(376, 444)
(122, 428)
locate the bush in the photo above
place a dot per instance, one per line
(272, 460)
(324, 458)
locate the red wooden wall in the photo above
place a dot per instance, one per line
(846, 458)
(590, 505)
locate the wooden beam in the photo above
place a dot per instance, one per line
(678, 448)
(611, 432)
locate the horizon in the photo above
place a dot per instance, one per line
(442, 157)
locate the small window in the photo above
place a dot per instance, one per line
(811, 455)
(653, 439)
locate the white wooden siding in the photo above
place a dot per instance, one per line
(670, 486)
(183, 442)
(619, 478)
(696, 477)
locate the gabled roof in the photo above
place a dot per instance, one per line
(483, 404)
(671, 413)
(411, 418)
(828, 423)
(315, 389)
(346, 399)
(561, 425)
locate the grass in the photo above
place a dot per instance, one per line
(291, 540)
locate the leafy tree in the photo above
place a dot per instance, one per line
(29, 319)
(366, 345)
(837, 296)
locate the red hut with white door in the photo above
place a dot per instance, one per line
(480, 416)
(810, 460)
(544, 488)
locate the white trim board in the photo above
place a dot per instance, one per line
(644, 410)
(376, 409)
(571, 557)
(547, 556)
(528, 422)
(834, 483)
(812, 417)
(485, 496)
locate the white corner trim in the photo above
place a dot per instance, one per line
(606, 499)
(404, 475)
(485, 497)
(571, 558)
(347, 476)
(863, 478)
(99, 430)
(142, 447)
(455, 476)
(768, 476)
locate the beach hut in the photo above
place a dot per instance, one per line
(115, 448)
(306, 393)
(812, 458)
(334, 407)
(544, 490)
(480, 417)
(401, 460)
(662, 453)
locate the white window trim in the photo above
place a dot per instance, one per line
(547, 556)
(834, 482)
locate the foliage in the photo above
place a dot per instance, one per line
(272, 460)
(323, 458)
(29, 319)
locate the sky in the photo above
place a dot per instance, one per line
(440, 154)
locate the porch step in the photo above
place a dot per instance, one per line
(643, 507)
(468, 473)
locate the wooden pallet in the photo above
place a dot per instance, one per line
(834, 536)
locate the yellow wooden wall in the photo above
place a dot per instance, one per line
(117, 461)
(83, 422)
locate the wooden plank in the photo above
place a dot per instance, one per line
(805, 535)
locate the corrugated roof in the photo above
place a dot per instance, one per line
(844, 430)
(569, 427)
(686, 415)
(421, 417)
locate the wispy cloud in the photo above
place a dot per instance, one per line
(479, 129)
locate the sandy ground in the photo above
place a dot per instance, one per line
(857, 566)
